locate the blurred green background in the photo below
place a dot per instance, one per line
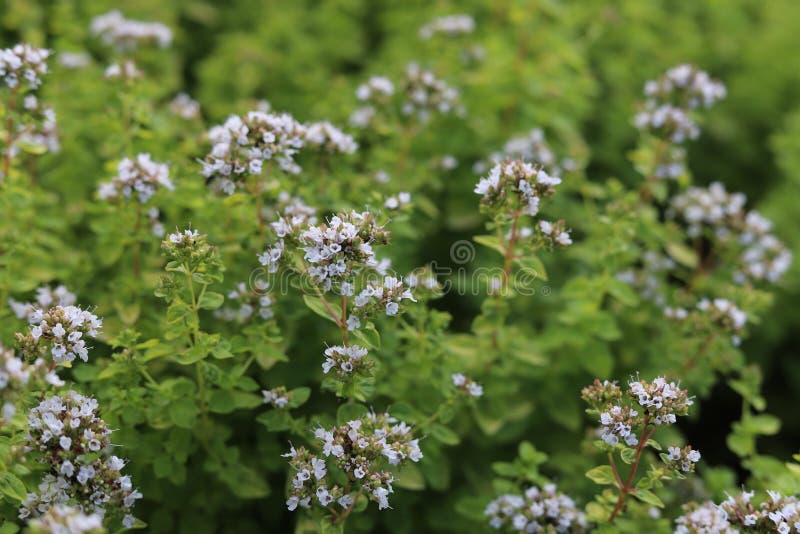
(575, 69)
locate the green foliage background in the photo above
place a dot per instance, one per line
(575, 69)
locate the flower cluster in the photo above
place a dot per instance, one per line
(347, 361)
(294, 215)
(360, 450)
(61, 331)
(250, 301)
(703, 519)
(185, 107)
(46, 296)
(75, 444)
(126, 34)
(725, 313)
(778, 513)
(126, 70)
(241, 145)
(336, 248)
(554, 233)
(398, 201)
(466, 385)
(65, 519)
(538, 510)
(646, 403)
(681, 459)
(330, 139)
(15, 378)
(516, 184)
(531, 147)
(377, 88)
(385, 296)
(671, 98)
(153, 219)
(763, 256)
(278, 397)
(449, 25)
(21, 63)
(424, 94)
(661, 401)
(141, 176)
(40, 128)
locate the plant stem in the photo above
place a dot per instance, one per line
(627, 487)
(136, 244)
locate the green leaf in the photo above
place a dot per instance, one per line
(682, 254)
(628, 455)
(318, 307)
(648, 497)
(532, 265)
(763, 424)
(444, 435)
(369, 336)
(299, 396)
(602, 475)
(12, 487)
(326, 527)
(410, 478)
(491, 241)
(211, 300)
(183, 412)
(275, 420)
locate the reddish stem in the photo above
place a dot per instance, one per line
(626, 488)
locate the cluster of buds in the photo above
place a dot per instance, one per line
(681, 459)
(334, 250)
(60, 331)
(74, 443)
(278, 397)
(16, 376)
(671, 98)
(66, 519)
(251, 301)
(23, 64)
(762, 255)
(660, 400)
(46, 296)
(537, 510)
(185, 107)
(466, 385)
(189, 247)
(382, 296)
(516, 185)
(329, 139)
(361, 450)
(141, 176)
(347, 361)
(241, 145)
(124, 71)
(424, 94)
(449, 25)
(126, 34)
